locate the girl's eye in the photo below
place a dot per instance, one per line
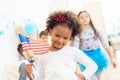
(66, 38)
(57, 35)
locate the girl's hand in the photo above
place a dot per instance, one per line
(80, 76)
(29, 71)
(113, 62)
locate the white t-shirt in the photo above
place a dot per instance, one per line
(62, 64)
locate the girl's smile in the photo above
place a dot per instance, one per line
(60, 36)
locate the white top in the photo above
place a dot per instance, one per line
(89, 41)
(62, 64)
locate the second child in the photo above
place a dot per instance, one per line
(27, 74)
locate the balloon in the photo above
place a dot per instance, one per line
(30, 28)
(2, 32)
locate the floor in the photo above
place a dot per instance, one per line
(113, 73)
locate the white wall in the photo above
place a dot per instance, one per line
(8, 51)
(111, 15)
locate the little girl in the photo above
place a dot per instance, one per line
(87, 41)
(60, 62)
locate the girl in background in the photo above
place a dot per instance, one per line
(88, 42)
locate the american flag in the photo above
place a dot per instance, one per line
(38, 47)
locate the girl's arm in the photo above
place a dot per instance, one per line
(112, 59)
(80, 76)
(91, 66)
(106, 47)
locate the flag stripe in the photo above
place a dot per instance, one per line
(36, 46)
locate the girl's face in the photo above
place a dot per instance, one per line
(60, 36)
(84, 18)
